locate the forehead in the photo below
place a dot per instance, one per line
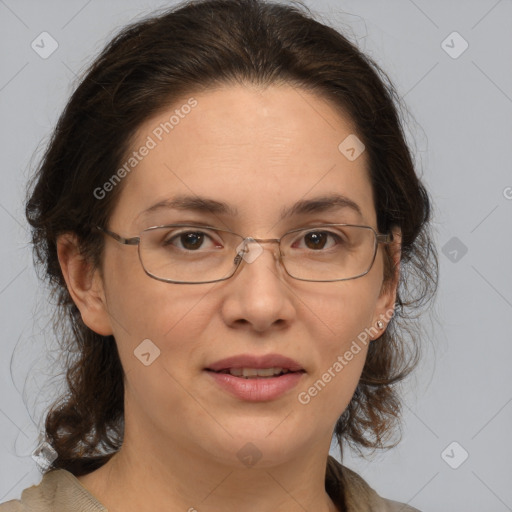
(256, 149)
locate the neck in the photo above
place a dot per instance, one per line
(147, 473)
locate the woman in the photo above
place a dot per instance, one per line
(231, 219)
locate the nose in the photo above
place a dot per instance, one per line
(252, 248)
(259, 294)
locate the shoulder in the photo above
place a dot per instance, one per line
(11, 506)
(58, 491)
(357, 493)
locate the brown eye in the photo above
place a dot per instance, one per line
(318, 240)
(190, 241)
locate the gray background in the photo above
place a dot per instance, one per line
(461, 131)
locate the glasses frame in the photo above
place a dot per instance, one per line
(380, 238)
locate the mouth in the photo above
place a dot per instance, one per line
(254, 378)
(250, 366)
(256, 373)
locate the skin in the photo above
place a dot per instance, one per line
(258, 150)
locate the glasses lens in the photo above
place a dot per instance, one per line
(194, 254)
(188, 254)
(328, 253)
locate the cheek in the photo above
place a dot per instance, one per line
(345, 309)
(160, 345)
(328, 390)
(142, 308)
(343, 315)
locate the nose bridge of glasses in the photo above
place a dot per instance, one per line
(251, 248)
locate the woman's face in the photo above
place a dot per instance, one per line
(259, 152)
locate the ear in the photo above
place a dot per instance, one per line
(385, 307)
(85, 285)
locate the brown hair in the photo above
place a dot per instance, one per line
(148, 65)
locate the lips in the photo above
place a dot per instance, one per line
(256, 378)
(248, 364)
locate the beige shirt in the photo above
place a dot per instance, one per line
(61, 491)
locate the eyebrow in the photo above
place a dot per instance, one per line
(320, 204)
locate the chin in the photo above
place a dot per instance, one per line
(258, 446)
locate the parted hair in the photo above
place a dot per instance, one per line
(144, 69)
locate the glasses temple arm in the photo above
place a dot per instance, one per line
(126, 241)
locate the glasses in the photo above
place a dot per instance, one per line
(193, 254)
